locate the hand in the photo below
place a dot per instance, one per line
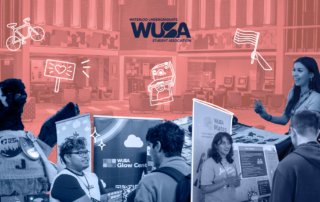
(105, 198)
(233, 181)
(259, 109)
(239, 181)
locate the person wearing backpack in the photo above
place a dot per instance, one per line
(219, 176)
(170, 182)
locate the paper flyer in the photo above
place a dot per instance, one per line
(120, 150)
(257, 163)
(208, 120)
(79, 126)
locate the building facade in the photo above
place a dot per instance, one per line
(101, 31)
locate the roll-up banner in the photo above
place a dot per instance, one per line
(208, 120)
(120, 150)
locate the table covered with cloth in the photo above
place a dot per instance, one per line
(241, 133)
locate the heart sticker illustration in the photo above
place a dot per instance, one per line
(60, 68)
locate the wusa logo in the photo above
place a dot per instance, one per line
(169, 30)
(121, 163)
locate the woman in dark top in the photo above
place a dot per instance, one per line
(304, 95)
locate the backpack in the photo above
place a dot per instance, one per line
(183, 191)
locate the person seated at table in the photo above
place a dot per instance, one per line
(72, 183)
(304, 95)
(219, 176)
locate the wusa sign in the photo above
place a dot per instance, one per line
(168, 29)
(121, 163)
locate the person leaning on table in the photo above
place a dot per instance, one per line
(72, 184)
(305, 95)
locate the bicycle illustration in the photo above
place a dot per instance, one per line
(14, 42)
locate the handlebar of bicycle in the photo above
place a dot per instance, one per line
(25, 20)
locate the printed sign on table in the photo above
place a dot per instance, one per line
(208, 120)
(257, 136)
(257, 163)
(120, 150)
(12, 198)
(79, 126)
(37, 198)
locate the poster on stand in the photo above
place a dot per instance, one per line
(208, 120)
(79, 126)
(257, 164)
(120, 150)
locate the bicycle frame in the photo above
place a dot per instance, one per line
(15, 31)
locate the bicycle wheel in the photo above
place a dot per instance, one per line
(13, 43)
(39, 36)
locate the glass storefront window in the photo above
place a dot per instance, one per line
(37, 71)
(40, 14)
(203, 13)
(58, 13)
(107, 23)
(217, 13)
(267, 12)
(92, 21)
(189, 13)
(249, 12)
(233, 13)
(75, 22)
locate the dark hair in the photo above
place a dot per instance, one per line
(70, 144)
(305, 120)
(217, 141)
(15, 93)
(312, 66)
(170, 135)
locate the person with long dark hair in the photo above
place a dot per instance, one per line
(219, 176)
(304, 95)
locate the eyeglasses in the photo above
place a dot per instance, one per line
(81, 153)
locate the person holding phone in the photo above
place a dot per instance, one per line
(219, 176)
(305, 95)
